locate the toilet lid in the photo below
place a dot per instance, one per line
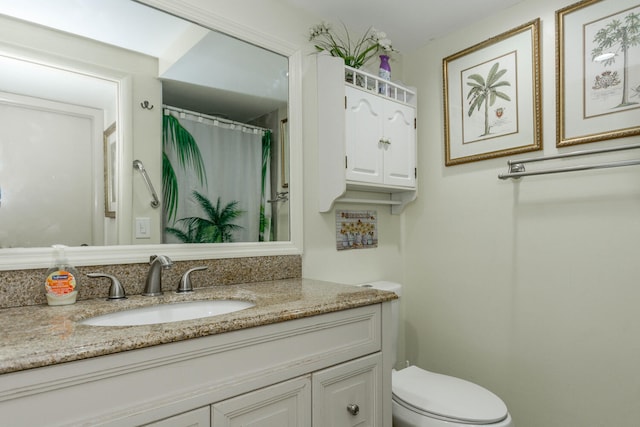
(448, 397)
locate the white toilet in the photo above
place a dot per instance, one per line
(426, 399)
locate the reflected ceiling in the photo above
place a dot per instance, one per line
(246, 97)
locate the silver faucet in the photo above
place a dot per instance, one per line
(153, 285)
(116, 290)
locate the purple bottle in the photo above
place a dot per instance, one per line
(384, 72)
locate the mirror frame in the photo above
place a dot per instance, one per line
(29, 258)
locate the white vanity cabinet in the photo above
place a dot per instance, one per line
(349, 394)
(303, 372)
(366, 138)
(197, 418)
(282, 405)
(345, 395)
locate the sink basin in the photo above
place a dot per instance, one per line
(165, 313)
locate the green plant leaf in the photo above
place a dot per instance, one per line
(216, 226)
(169, 188)
(179, 139)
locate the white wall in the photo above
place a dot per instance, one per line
(529, 288)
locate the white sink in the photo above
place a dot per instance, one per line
(164, 313)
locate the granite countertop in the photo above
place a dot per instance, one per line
(37, 336)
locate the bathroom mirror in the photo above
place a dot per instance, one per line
(131, 125)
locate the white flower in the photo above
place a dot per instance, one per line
(378, 35)
(355, 52)
(385, 44)
(318, 30)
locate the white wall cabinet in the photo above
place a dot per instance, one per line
(380, 140)
(264, 376)
(366, 139)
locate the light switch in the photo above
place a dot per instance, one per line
(143, 228)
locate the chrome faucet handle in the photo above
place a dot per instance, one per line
(185, 283)
(116, 290)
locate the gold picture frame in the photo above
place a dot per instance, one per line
(492, 97)
(594, 82)
(110, 172)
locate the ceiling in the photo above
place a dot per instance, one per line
(409, 24)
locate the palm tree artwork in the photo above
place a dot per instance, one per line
(613, 40)
(484, 92)
(216, 227)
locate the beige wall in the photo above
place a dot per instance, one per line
(529, 288)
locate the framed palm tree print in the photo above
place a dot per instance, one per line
(492, 97)
(598, 71)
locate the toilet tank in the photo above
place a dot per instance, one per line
(395, 310)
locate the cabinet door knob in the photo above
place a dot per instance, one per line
(353, 409)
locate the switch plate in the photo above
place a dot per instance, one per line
(143, 228)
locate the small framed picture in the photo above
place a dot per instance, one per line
(492, 97)
(110, 172)
(598, 71)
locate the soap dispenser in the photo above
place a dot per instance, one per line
(61, 282)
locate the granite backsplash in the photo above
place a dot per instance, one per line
(26, 287)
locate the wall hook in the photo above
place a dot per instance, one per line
(146, 105)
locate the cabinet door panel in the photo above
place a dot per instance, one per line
(349, 394)
(363, 128)
(197, 418)
(399, 153)
(286, 404)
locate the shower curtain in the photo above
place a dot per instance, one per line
(235, 170)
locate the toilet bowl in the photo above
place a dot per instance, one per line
(427, 399)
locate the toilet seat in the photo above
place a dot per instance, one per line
(446, 398)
